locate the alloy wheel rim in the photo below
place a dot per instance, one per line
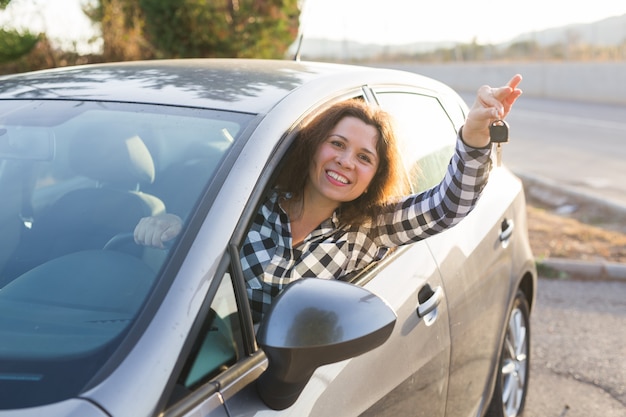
(514, 364)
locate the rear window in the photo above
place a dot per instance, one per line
(427, 135)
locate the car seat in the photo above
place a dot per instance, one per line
(87, 218)
(180, 184)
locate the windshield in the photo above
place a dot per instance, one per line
(75, 178)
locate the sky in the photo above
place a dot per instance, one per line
(368, 21)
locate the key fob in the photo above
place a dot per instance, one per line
(499, 131)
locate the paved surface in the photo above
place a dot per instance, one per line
(578, 342)
(578, 350)
(568, 154)
(579, 146)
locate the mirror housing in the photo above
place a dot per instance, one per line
(315, 322)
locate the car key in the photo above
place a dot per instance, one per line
(499, 134)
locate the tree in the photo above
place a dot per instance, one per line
(13, 43)
(221, 28)
(121, 24)
(134, 29)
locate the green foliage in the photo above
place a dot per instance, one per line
(121, 23)
(14, 44)
(220, 28)
(93, 10)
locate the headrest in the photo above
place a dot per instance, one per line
(117, 159)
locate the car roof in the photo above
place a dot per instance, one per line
(245, 85)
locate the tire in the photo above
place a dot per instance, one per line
(509, 396)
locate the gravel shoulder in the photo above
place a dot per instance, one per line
(564, 224)
(579, 235)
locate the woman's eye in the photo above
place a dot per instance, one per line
(337, 143)
(365, 158)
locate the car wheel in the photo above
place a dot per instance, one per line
(511, 387)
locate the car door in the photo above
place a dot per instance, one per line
(410, 371)
(407, 375)
(473, 257)
(475, 260)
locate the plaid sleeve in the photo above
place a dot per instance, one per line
(432, 211)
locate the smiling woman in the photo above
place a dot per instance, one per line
(347, 161)
(349, 139)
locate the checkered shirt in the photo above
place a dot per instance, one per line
(270, 262)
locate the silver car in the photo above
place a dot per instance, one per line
(93, 325)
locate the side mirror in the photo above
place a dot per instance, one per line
(315, 322)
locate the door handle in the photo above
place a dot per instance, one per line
(429, 300)
(506, 228)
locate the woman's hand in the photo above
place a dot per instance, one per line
(490, 105)
(156, 230)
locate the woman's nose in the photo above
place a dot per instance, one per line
(345, 160)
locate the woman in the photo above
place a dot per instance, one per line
(336, 205)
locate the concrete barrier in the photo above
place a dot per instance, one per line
(598, 82)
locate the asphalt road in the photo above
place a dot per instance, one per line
(578, 350)
(578, 342)
(581, 146)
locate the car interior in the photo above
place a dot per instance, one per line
(74, 187)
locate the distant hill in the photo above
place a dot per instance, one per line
(313, 48)
(326, 48)
(606, 32)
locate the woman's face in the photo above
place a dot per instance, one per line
(345, 162)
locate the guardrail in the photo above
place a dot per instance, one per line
(599, 82)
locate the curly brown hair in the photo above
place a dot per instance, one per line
(388, 182)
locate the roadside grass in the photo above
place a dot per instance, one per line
(584, 234)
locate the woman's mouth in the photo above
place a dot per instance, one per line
(337, 177)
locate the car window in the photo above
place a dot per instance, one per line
(426, 132)
(220, 343)
(75, 179)
(216, 347)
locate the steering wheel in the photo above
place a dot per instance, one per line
(119, 240)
